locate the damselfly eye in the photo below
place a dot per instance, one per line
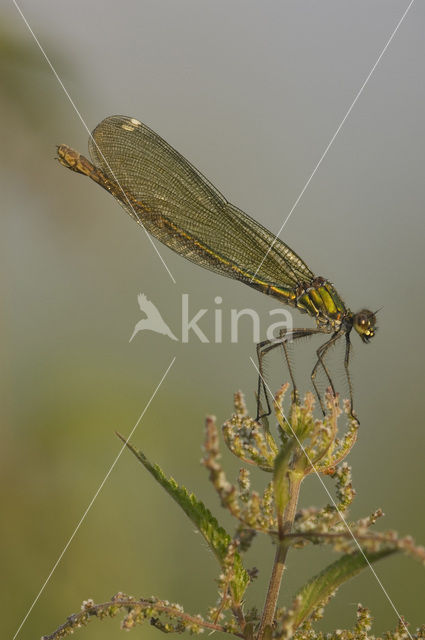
(364, 323)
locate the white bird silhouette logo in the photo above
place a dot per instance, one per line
(153, 320)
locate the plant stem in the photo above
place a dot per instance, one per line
(280, 558)
(104, 609)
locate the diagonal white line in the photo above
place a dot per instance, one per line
(83, 517)
(339, 512)
(341, 124)
(91, 137)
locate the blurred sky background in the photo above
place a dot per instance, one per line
(251, 93)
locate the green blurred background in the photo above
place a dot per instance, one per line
(251, 93)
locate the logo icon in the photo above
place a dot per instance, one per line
(153, 321)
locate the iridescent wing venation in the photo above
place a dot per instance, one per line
(205, 228)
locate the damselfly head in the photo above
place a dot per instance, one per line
(364, 323)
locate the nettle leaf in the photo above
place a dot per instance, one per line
(321, 586)
(217, 538)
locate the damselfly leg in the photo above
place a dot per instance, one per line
(263, 348)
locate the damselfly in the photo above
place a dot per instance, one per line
(174, 202)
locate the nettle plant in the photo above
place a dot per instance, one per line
(304, 445)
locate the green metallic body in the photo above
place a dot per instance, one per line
(175, 203)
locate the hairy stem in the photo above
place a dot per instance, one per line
(109, 609)
(280, 558)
